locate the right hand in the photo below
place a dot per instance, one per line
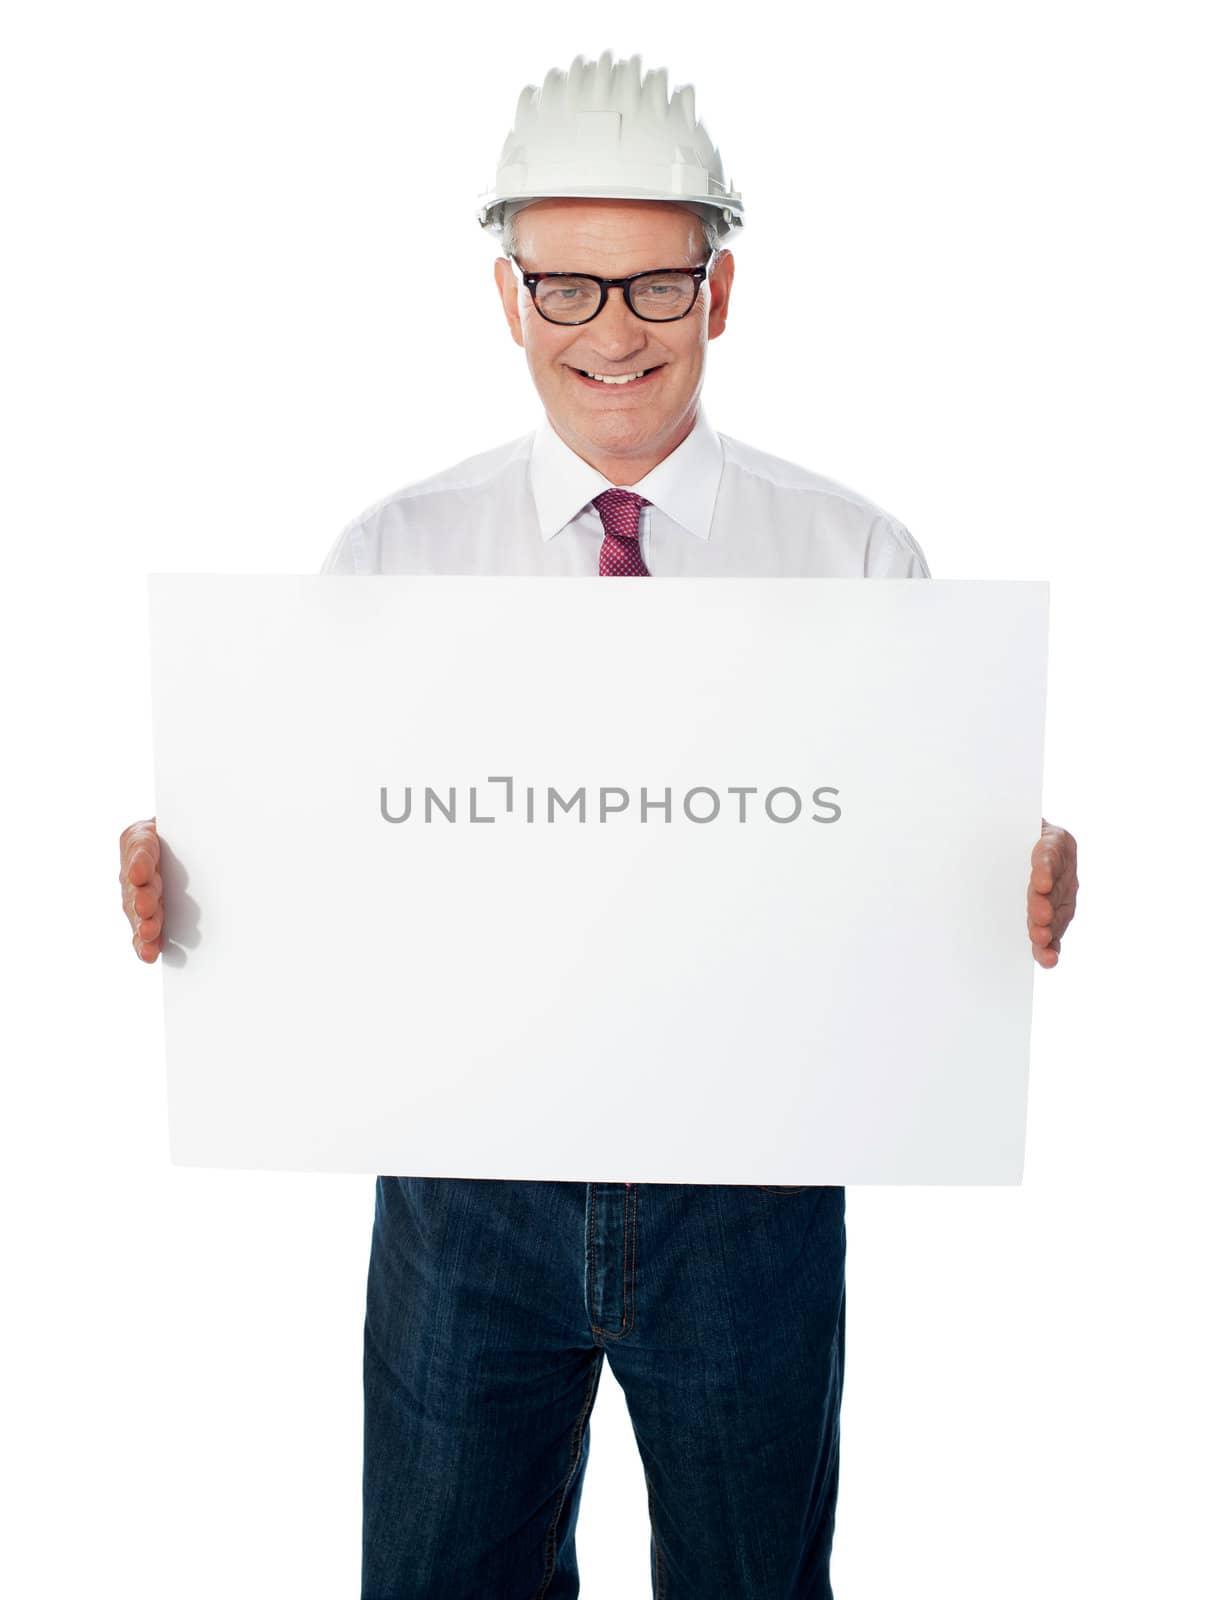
(139, 875)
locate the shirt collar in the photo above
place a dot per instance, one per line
(683, 485)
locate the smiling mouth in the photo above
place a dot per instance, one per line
(621, 380)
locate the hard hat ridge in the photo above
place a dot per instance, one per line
(603, 128)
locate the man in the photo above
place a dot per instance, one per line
(491, 1305)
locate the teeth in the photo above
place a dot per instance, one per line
(628, 377)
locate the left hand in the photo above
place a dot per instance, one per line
(1053, 882)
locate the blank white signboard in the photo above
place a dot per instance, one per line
(699, 881)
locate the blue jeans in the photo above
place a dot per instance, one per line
(490, 1307)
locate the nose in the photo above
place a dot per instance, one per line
(616, 332)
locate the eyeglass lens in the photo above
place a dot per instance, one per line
(657, 297)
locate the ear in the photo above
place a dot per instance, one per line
(719, 284)
(508, 289)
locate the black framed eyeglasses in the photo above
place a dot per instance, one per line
(663, 295)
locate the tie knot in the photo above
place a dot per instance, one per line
(620, 510)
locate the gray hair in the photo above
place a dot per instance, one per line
(710, 228)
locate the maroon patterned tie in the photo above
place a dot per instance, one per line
(620, 553)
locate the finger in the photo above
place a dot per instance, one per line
(1045, 958)
(139, 840)
(143, 832)
(1040, 907)
(146, 901)
(141, 863)
(1041, 936)
(140, 866)
(1044, 869)
(144, 909)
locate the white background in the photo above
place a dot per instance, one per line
(974, 284)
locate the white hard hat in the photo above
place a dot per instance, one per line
(601, 130)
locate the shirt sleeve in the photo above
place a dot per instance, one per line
(895, 553)
(340, 557)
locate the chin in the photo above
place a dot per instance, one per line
(615, 424)
(630, 431)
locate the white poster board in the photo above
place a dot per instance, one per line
(812, 967)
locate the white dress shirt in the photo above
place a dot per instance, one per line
(720, 509)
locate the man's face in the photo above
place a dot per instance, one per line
(630, 424)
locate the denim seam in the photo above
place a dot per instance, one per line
(659, 1565)
(630, 1245)
(575, 1450)
(594, 1327)
(630, 1282)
